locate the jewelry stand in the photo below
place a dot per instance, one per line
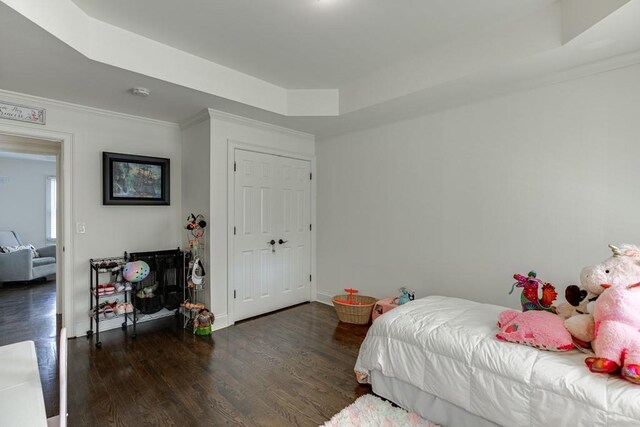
(192, 293)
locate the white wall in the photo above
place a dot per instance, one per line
(457, 202)
(110, 230)
(23, 197)
(196, 198)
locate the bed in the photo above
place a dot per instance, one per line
(438, 357)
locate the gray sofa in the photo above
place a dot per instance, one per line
(20, 265)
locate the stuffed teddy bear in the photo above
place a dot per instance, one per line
(577, 301)
(620, 269)
(617, 332)
(577, 313)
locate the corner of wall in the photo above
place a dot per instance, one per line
(324, 298)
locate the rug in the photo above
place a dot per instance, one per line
(371, 411)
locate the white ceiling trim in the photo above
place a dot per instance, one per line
(40, 101)
(505, 56)
(222, 115)
(580, 15)
(103, 42)
(477, 53)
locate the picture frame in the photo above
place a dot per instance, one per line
(129, 179)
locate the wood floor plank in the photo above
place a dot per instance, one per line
(28, 312)
(289, 368)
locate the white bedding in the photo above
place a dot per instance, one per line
(447, 347)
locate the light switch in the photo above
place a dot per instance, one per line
(80, 228)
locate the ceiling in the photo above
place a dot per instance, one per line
(319, 66)
(305, 44)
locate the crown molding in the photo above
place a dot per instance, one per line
(18, 97)
(221, 115)
(592, 68)
(198, 118)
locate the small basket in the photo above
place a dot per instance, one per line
(357, 314)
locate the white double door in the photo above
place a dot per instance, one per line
(272, 256)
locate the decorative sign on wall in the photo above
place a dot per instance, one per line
(22, 113)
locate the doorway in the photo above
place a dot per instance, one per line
(38, 138)
(272, 234)
(29, 190)
(31, 291)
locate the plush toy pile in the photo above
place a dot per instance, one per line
(602, 313)
(621, 269)
(537, 326)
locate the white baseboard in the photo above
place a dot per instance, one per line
(221, 322)
(105, 325)
(324, 298)
(116, 323)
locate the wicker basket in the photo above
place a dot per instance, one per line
(357, 314)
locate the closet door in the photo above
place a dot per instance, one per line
(272, 256)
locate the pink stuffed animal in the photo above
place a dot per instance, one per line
(617, 332)
(535, 328)
(621, 269)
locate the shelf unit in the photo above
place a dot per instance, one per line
(192, 293)
(113, 268)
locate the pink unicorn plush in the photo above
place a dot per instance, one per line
(617, 332)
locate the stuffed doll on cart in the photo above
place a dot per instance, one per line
(203, 322)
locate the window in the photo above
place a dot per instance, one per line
(51, 210)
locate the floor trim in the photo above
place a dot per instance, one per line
(324, 298)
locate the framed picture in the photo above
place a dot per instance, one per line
(134, 180)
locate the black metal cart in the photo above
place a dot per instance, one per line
(97, 295)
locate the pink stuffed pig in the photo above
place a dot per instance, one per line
(617, 332)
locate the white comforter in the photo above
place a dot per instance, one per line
(447, 347)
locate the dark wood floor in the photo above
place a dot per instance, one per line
(293, 367)
(28, 312)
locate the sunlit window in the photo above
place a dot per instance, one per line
(51, 210)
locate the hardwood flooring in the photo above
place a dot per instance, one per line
(292, 367)
(28, 312)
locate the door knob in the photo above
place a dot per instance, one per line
(272, 242)
(282, 241)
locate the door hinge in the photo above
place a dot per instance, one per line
(310, 227)
(234, 166)
(310, 278)
(310, 175)
(234, 294)
(234, 230)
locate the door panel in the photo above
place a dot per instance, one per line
(271, 202)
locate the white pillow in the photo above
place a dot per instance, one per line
(9, 249)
